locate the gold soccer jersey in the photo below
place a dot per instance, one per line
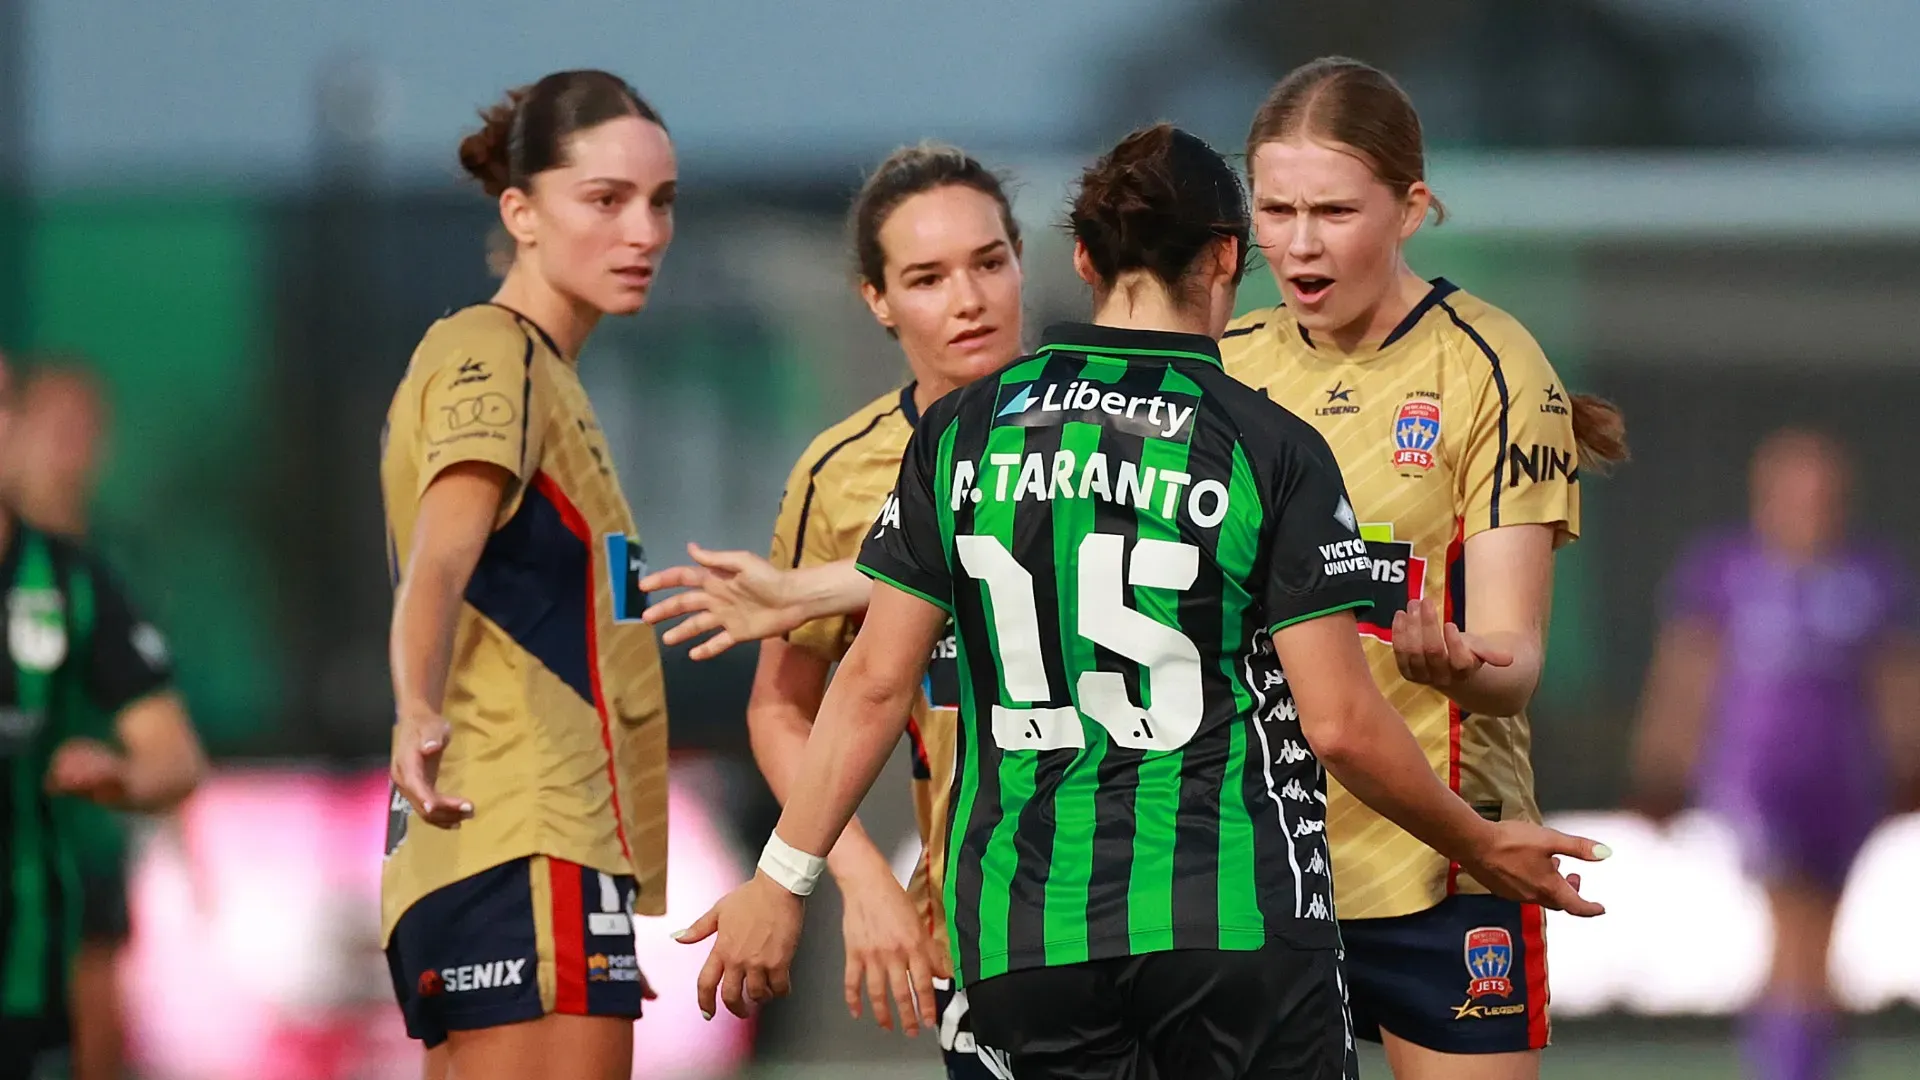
(832, 498)
(1454, 425)
(554, 695)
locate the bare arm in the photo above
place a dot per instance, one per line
(1673, 714)
(1367, 746)
(1494, 666)
(164, 759)
(746, 598)
(788, 688)
(455, 519)
(862, 717)
(1897, 694)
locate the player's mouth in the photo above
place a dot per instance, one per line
(638, 277)
(1309, 289)
(973, 338)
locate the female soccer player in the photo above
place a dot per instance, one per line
(85, 712)
(1152, 573)
(1463, 454)
(937, 254)
(531, 728)
(1780, 645)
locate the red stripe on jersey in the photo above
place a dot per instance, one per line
(576, 523)
(1533, 932)
(1456, 585)
(569, 938)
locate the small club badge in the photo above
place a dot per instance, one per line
(1489, 961)
(1416, 431)
(37, 628)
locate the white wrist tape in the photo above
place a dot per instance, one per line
(794, 870)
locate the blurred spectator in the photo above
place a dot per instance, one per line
(1782, 645)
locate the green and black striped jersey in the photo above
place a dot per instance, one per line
(1118, 527)
(75, 655)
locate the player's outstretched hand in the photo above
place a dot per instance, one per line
(1439, 654)
(890, 953)
(1520, 861)
(736, 593)
(89, 769)
(419, 738)
(755, 929)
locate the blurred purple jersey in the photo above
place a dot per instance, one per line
(1792, 754)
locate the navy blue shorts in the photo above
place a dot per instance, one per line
(1466, 976)
(966, 1058)
(515, 942)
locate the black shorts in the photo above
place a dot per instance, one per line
(24, 1041)
(1195, 1014)
(966, 1057)
(1466, 976)
(104, 919)
(526, 938)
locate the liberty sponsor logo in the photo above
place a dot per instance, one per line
(1416, 431)
(1399, 576)
(1339, 402)
(1041, 477)
(1161, 415)
(1541, 463)
(1344, 557)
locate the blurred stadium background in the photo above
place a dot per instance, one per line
(243, 215)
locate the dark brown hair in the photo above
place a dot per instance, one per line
(1342, 100)
(1157, 202)
(526, 132)
(910, 171)
(1337, 99)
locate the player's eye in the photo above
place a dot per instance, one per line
(923, 282)
(993, 263)
(1277, 211)
(665, 200)
(606, 200)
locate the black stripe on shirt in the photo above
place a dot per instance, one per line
(1506, 404)
(813, 474)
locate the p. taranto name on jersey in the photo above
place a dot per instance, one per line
(1041, 476)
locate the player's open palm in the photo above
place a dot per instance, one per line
(737, 593)
(1520, 861)
(890, 953)
(419, 738)
(755, 930)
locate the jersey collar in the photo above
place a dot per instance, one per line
(907, 408)
(1441, 289)
(1113, 341)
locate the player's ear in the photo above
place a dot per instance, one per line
(1083, 263)
(877, 303)
(1418, 202)
(517, 214)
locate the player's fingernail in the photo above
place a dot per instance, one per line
(1602, 851)
(681, 935)
(430, 745)
(705, 1015)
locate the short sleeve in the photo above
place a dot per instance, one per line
(904, 548)
(1317, 562)
(476, 397)
(803, 536)
(128, 655)
(1521, 465)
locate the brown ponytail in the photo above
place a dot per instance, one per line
(1601, 432)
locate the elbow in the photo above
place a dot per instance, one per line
(1332, 733)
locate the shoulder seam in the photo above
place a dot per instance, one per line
(1506, 405)
(813, 474)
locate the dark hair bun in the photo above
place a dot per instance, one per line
(487, 154)
(1156, 202)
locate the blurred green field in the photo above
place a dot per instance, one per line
(1585, 1055)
